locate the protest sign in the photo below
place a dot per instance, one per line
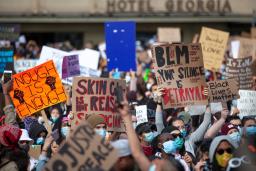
(247, 47)
(247, 103)
(96, 96)
(84, 150)
(179, 69)
(168, 34)
(21, 65)
(196, 109)
(222, 90)
(88, 58)
(216, 107)
(240, 69)
(34, 151)
(36, 89)
(141, 114)
(120, 45)
(70, 66)
(6, 60)
(9, 32)
(213, 45)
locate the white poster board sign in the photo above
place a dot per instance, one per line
(196, 109)
(247, 103)
(141, 114)
(216, 107)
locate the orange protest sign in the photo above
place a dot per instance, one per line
(36, 89)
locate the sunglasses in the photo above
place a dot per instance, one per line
(177, 135)
(228, 150)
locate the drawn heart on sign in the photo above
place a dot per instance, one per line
(51, 82)
(18, 94)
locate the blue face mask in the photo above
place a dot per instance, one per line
(169, 147)
(54, 119)
(236, 137)
(183, 132)
(101, 132)
(40, 141)
(65, 131)
(251, 130)
(148, 137)
(179, 142)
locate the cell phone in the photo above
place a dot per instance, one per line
(55, 135)
(7, 76)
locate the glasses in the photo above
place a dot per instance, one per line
(228, 150)
(176, 135)
(99, 127)
(236, 162)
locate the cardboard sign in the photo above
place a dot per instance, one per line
(36, 89)
(246, 103)
(70, 66)
(96, 96)
(120, 45)
(196, 109)
(21, 65)
(240, 69)
(213, 43)
(168, 34)
(9, 32)
(247, 47)
(222, 90)
(141, 114)
(84, 150)
(34, 151)
(6, 60)
(179, 69)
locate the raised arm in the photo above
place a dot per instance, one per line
(9, 109)
(214, 129)
(134, 143)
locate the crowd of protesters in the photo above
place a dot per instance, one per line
(172, 139)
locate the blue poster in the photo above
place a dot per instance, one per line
(120, 45)
(6, 60)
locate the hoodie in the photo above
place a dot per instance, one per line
(215, 143)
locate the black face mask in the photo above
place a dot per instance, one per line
(25, 147)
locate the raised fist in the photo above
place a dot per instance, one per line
(51, 82)
(18, 94)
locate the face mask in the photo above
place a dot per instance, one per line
(101, 132)
(152, 167)
(148, 137)
(65, 131)
(251, 130)
(54, 119)
(40, 141)
(127, 78)
(149, 86)
(223, 159)
(155, 134)
(169, 147)
(236, 137)
(183, 132)
(134, 124)
(179, 142)
(240, 130)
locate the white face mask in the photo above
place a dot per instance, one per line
(134, 124)
(149, 86)
(127, 78)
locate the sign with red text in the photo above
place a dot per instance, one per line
(36, 89)
(214, 44)
(241, 70)
(222, 90)
(96, 96)
(84, 150)
(179, 69)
